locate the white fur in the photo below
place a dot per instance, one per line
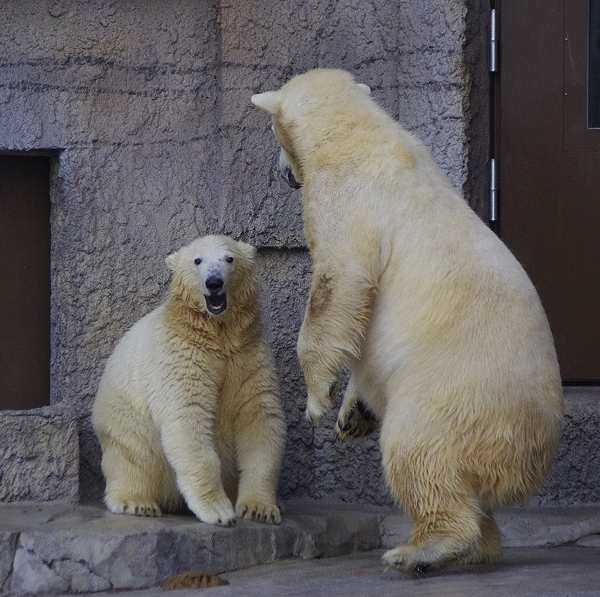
(188, 405)
(441, 328)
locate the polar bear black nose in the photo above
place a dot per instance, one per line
(214, 284)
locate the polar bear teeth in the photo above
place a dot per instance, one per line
(216, 303)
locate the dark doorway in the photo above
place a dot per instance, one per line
(25, 282)
(549, 153)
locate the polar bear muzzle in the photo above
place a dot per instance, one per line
(286, 170)
(215, 303)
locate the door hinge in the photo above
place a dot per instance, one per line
(493, 191)
(493, 41)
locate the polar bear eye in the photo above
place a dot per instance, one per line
(229, 259)
(197, 261)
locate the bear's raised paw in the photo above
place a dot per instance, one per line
(356, 423)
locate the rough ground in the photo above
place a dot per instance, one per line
(319, 549)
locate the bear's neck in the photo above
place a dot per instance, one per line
(229, 332)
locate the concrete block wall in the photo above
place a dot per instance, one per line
(145, 107)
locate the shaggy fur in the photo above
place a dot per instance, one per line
(444, 334)
(188, 405)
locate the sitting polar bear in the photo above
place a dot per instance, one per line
(188, 405)
(444, 335)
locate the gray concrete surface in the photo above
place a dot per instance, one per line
(58, 548)
(527, 572)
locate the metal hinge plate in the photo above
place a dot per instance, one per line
(493, 191)
(493, 41)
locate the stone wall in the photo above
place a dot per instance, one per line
(145, 106)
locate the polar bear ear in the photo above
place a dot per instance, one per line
(266, 101)
(172, 261)
(248, 251)
(364, 88)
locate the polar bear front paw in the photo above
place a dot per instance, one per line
(220, 513)
(314, 414)
(258, 511)
(133, 504)
(356, 422)
(318, 404)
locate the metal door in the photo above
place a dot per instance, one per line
(24, 282)
(549, 165)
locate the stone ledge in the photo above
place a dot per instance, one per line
(75, 549)
(85, 548)
(39, 455)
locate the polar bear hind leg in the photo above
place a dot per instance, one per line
(139, 480)
(128, 489)
(451, 527)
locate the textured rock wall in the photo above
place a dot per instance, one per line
(39, 456)
(145, 107)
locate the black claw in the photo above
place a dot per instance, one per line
(421, 569)
(365, 412)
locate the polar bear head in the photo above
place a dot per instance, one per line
(303, 100)
(211, 270)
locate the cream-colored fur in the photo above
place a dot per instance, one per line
(443, 332)
(188, 406)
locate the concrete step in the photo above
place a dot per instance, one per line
(83, 548)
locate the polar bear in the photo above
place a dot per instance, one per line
(443, 333)
(188, 405)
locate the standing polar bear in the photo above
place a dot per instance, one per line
(444, 335)
(188, 405)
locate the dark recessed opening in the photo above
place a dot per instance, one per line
(25, 282)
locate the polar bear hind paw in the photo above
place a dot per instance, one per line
(258, 512)
(135, 505)
(356, 423)
(415, 561)
(409, 560)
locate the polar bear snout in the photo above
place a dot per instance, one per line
(286, 170)
(214, 284)
(289, 177)
(215, 296)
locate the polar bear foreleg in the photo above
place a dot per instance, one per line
(337, 314)
(187, 442)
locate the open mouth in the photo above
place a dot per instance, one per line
(216, 303)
